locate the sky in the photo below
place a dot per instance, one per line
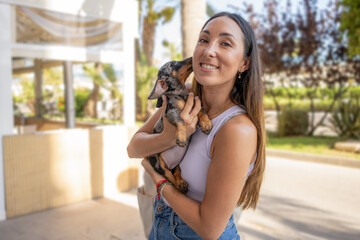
(172, 31)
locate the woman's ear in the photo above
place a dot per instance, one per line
(245, 65)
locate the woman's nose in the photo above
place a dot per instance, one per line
(210, 50)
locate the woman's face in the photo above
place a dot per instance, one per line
(219, 53)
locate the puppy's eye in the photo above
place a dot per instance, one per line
(163, 83)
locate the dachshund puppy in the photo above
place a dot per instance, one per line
(171, 83)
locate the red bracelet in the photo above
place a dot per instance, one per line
(158, 185)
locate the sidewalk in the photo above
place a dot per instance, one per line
(340, 161)
(99, 219)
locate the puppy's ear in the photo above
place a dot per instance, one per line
(159, 102)
(185, 70)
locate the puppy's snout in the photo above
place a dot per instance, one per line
(159, 89)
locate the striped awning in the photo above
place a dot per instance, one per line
(37, 26)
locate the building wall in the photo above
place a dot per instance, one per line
(49, 170)
(6, 105)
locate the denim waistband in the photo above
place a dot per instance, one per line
(163, 211)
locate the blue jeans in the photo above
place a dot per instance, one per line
(168, 225)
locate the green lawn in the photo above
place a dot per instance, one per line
(316, 145)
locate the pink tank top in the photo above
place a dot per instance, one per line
(195, 164)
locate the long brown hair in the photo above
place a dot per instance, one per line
(248, 92)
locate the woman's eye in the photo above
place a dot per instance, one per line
(201, 40)
(226, 44)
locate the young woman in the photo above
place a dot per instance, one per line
(225, 168)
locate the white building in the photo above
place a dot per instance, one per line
(69, 31)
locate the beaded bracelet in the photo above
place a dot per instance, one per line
(160, 185)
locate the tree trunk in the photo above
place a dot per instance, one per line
(38, 87)
(90, 106)
(148, 38)
(193, 14)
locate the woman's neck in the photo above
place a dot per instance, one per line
(216, 100)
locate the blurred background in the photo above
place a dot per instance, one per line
(74, 81)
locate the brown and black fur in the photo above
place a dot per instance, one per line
(171, 83)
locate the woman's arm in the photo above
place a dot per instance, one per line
(144, 143)
(234, 148)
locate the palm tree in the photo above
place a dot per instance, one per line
(145, 76)
(152, 18)
(193, 14)
(112, 86)
(173, 52)
(103, 76)
(94, 72)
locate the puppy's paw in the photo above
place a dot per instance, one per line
(181, 142)
(206, 126)
(183, 186)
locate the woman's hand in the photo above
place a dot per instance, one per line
(156, 177)
(188, 114)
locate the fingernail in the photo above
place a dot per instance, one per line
(196, 97)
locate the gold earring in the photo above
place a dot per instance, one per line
(239, 75)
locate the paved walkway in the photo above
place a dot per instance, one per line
(99, 219)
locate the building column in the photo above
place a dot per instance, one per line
(129, 72)
(6, 102)
(69, 95)
(38, 87)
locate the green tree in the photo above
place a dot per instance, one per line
(350, 25)
(52, 80)
(152, 17)
(304, 48)
(27, 95)
(172, 51)
(145, 76)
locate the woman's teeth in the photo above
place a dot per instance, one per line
(208, 66)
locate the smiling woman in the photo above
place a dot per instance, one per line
(224, 169)
(217, 54)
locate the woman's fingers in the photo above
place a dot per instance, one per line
(197, 107)
(188, 106)
(164, 104)
(189, 113)
(145, 163)
(191, 108)
(156, 177)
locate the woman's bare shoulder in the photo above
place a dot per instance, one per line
(237, 131)
(239, 126)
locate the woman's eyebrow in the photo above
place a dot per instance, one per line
(227, 35)
(223, 34)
